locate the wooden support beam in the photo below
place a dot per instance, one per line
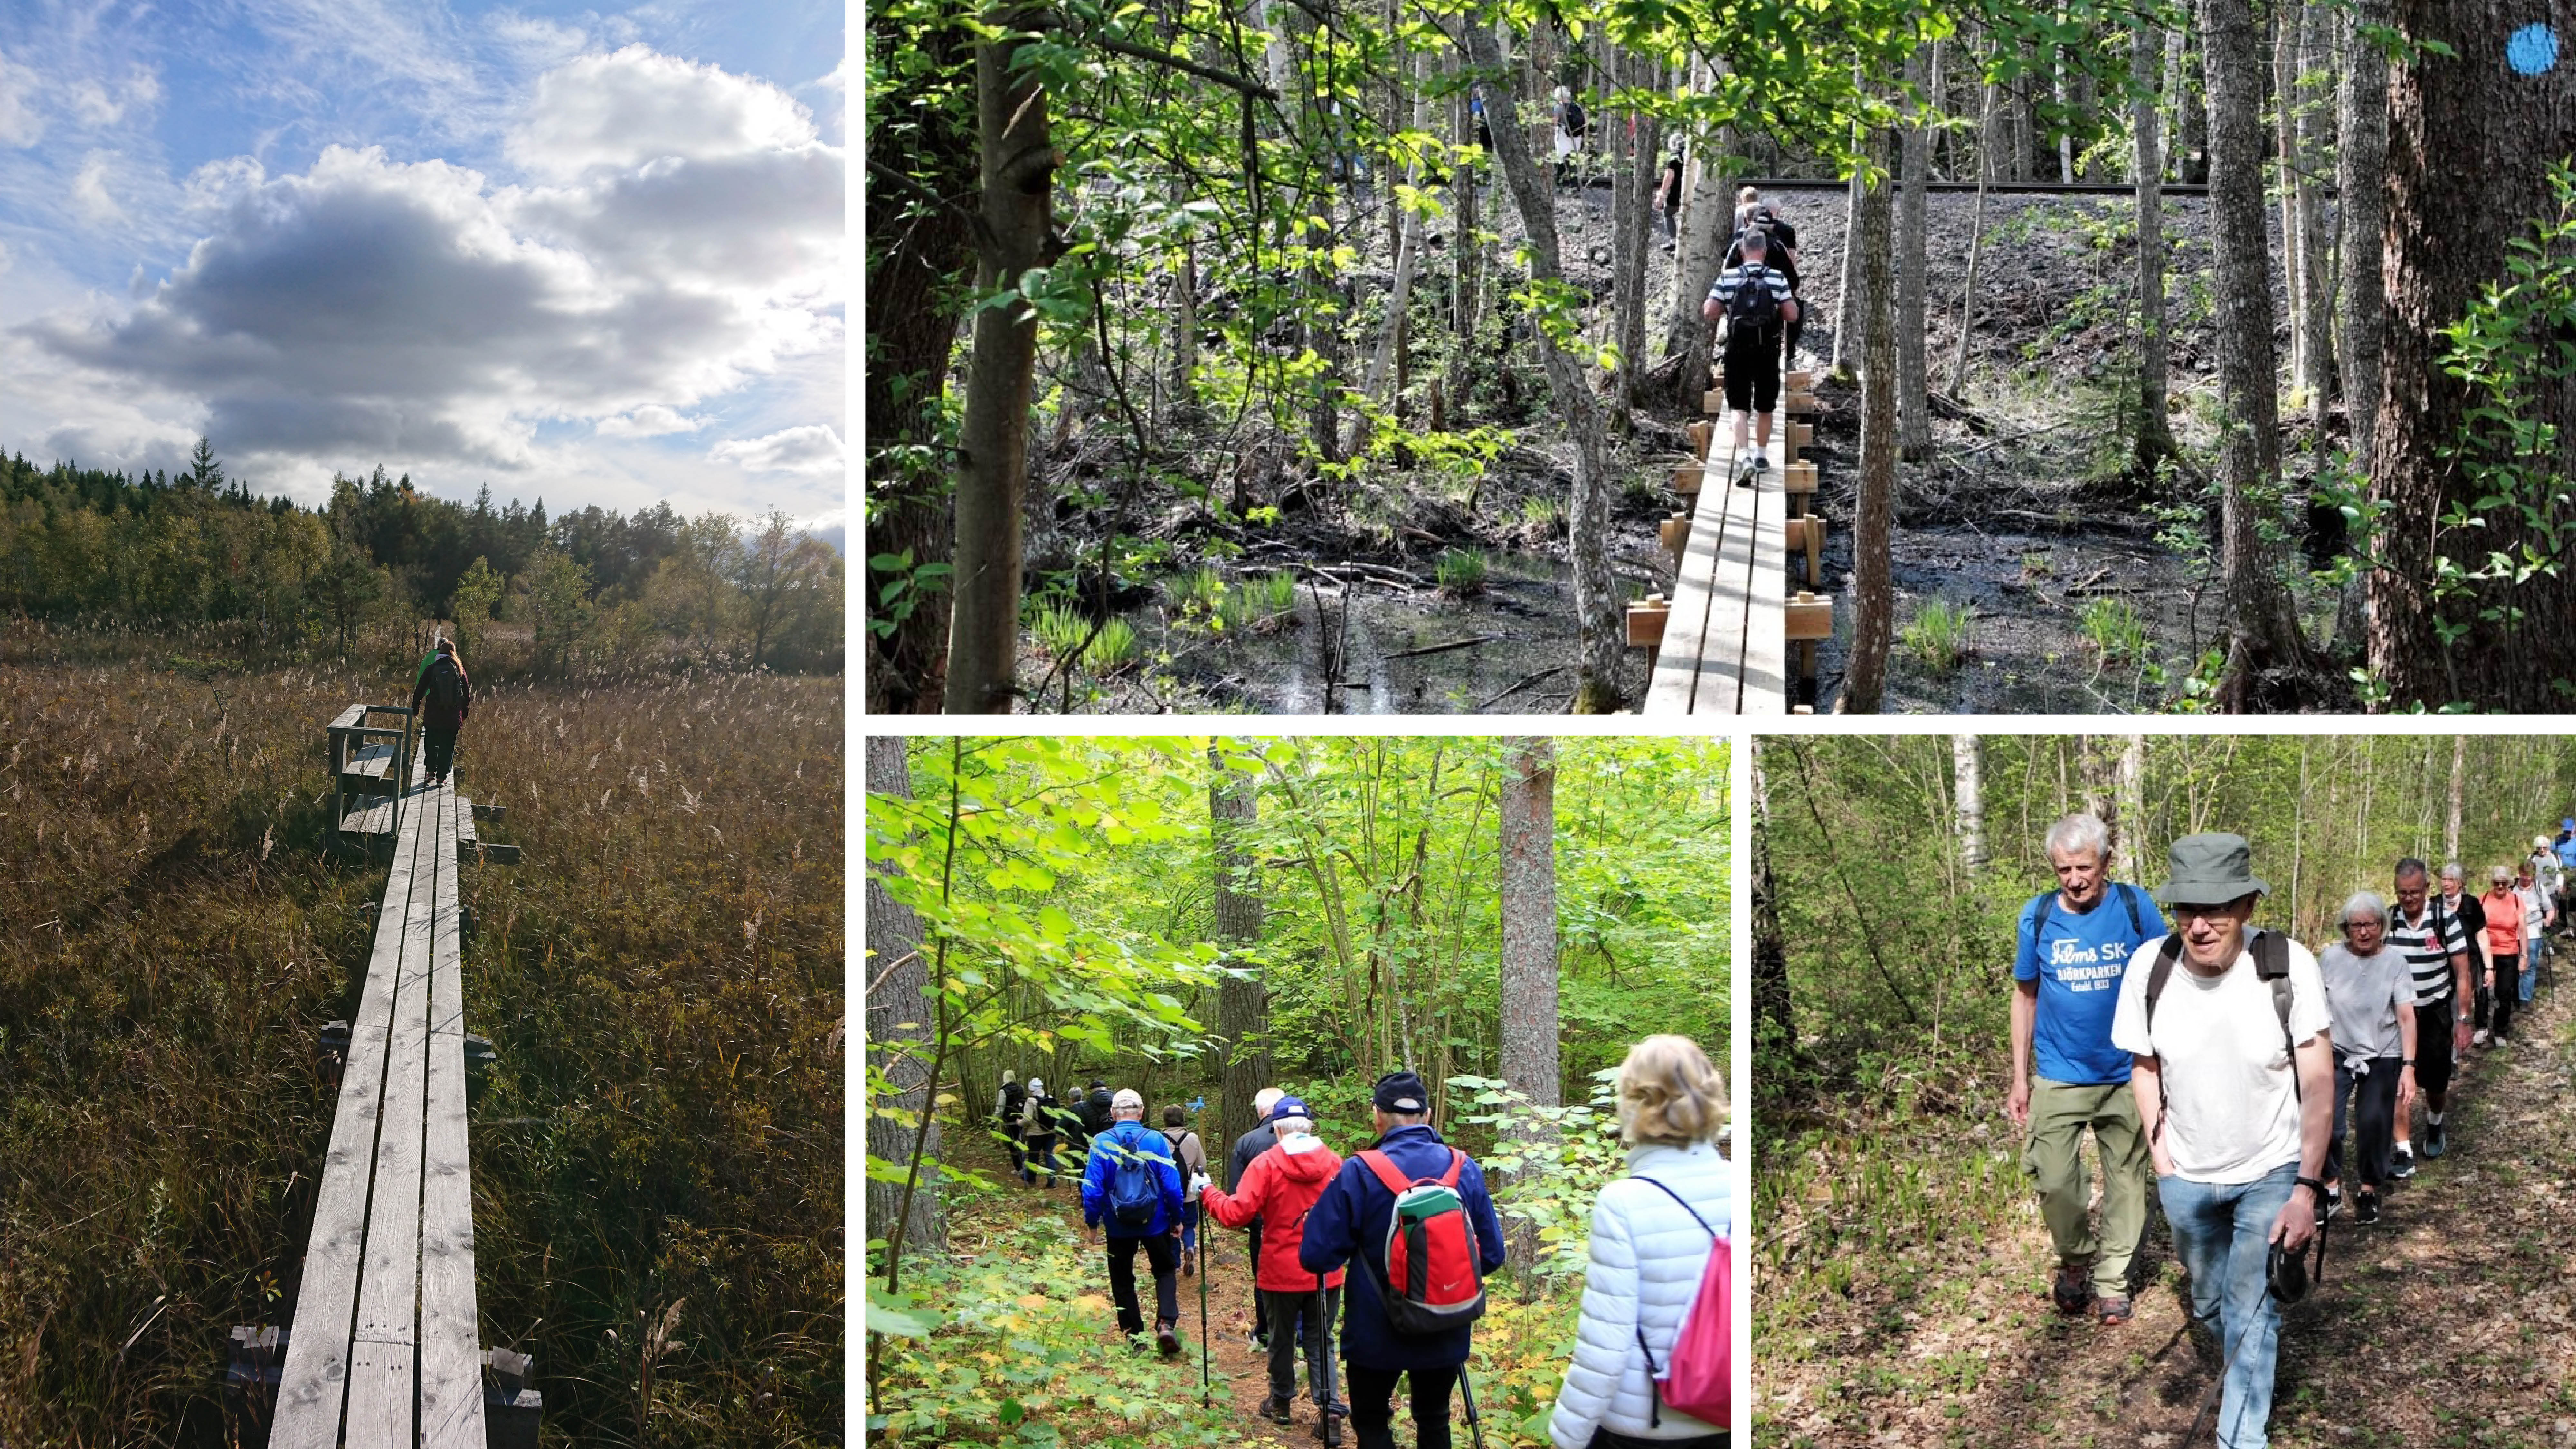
(1674, 532)
(1802, 404)
(1646, 619)
(1808, 617)
(1686, 479)
(1797, 478)
(1713, 400)
(1700, 433)
(1807, 536)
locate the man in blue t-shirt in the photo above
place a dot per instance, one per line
(2072, 947)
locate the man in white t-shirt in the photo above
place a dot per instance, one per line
(2234, 1078)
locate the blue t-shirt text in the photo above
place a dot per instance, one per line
(2078, 960)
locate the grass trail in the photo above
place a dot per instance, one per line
(2445, 1324)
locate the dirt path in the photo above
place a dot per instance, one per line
(2447, 1323)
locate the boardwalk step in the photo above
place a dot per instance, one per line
(1646, 619)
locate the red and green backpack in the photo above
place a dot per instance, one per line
(1431, 1282)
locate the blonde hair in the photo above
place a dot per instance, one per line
(1670, 1093)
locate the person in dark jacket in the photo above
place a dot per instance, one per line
(1129, 1138)
(1247, 1147)
(1350, 1221)
(442, 697)
(1282, 1185)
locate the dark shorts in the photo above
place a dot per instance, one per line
(2433, 1021)
(1753, 370)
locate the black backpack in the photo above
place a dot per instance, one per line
(2126, 893)
(1752, 306)
(2271, 963)
(1014, 1098)
(446, 686)
(1575, 122)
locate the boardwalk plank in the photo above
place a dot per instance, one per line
(451, 1379)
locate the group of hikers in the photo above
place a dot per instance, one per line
(1372, 1266)
(2227, 1087)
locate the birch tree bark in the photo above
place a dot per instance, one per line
(1874, 523)
(1968, 800)
(2154, 439)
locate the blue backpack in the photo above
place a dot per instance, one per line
(1134, 1193)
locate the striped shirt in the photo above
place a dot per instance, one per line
(1734, 279)
(2428, 945)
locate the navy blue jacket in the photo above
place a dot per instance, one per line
(1106, 1149)
(1350, 1220)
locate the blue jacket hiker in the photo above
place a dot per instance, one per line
(1351, 1220)
(1132, 1189)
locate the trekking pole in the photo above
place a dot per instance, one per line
(1475, 1426)
(1203, 1338)
(1324, 1335)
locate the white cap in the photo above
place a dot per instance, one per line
(1127, 1100)
(1037, 1086)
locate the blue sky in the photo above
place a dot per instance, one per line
(589, 255)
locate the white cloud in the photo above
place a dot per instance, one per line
(89, 191)
(812, 449)
(636, 106)
(19, 123)
(5, 259)
(536, 41)
(97, 105)
(649, 422)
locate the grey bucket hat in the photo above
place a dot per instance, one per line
(2211, 870)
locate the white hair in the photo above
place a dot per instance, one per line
(1267, 1098)
(1037, 1086)
(2363, 903)
(1292, 1126)
(2452, 870)
(2080, 831)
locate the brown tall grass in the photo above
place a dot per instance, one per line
(662, 979)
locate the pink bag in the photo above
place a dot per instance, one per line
(1695, 1379)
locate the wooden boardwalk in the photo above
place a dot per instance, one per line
(385, 1349)
(1722, 642)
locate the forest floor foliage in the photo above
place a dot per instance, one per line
(1901, 1291)
(1031, 1356)
(660, 1143)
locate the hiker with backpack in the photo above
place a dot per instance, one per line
(1247, 1149)
(1571, 123)
(2435, 935)
(1280, 1188)
(1780, 243)
(1131, 1192)
(1753, 300)
(1038, 1130)
(1010, 1105)
(2538, 915)
(1652, 1343)
(1668, 200)
(1191, 1159)
(2074, 948)
(441, 697)
(2233, 1073)
(1415, 1214)
(2371, 996)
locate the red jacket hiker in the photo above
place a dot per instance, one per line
(1281, 1185)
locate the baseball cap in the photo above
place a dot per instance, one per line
(1290, 1107)
(1401, 1091)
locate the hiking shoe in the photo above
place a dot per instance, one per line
(2476, 1038)
(1275, 1409)
(1189, 1265)
(2112, 1311)
(2433, 1140)
(1744, 474)
(1168, 1341)
(2333, 1200)
(1761, 463)
(2073, 1292)
(2402, 1164)
(2365, 1207)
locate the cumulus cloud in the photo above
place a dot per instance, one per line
(635, 106)
(370, 307)
(649, 422)
(813, 449)
(89, 191)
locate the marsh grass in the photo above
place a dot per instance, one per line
(663, 980)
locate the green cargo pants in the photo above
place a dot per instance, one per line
(2054, 1158)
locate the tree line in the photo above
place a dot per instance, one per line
(588, 588)
(1184, 268)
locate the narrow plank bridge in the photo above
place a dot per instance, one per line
(385, 1349)
(1721, 643)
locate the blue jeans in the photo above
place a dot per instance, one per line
(2535, 949)
(1190, 1226)
(2222, 1232)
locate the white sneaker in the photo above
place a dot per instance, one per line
(2479, 1038)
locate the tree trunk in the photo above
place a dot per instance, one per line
(2284, 18)
(900, 1013)
(1243, 1062)
(2128, 841)
(1914, 412)
(2191, 110)
(1968, 796)
(2057, 93)
(1645, 169)
(2262, 630)
(1528, 966)
(2153, 441)
(2316, 293)
(1775, 1032)
(1019, 163)
(1701, 251)
(1976, 237)
(1603, 643)
(1874, 523)
(920, 254)
(2451, 819)
(2361, 156)
(1854, 300)
(2474, 117)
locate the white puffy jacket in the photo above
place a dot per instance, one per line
(1647, 1258)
